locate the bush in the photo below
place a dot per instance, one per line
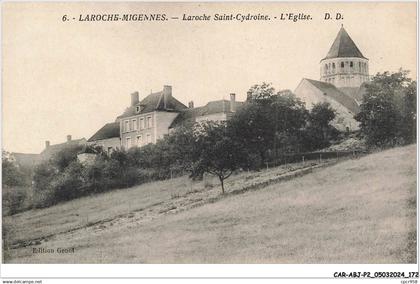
(388, 110)
(12, 174)
(69, 184)
(15, 200)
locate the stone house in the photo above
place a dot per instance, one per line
(148, 120)
(220, 110)
(108, 137)
(51, 150)
(152, 118)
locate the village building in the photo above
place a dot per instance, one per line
(51, 150)
(220, 110)
(108, 137)
(150, 119)
(343, 73)
(24, 159)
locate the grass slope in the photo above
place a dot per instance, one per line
(357, 211)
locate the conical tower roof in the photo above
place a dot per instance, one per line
(343, 46)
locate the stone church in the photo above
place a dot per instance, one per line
(343, 72)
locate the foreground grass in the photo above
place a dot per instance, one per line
(358, 211)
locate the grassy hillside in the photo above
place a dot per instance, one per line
(357, 211)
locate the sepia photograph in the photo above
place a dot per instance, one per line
(210, 133)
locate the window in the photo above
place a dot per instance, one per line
(135, 126)
(360, 67)
(128, 142)
(149, 122)
(342, 64)
(148, 138)
(139, 141)
(351, 64)
(333, 65)
(127, 126)
(137, 109)
(142, 123)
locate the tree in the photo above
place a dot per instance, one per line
(387, 113)
(408, 122)
(216, 152)
(289, 117)
(11, 174)
(261, 94)
(253, 127)
(319, 131)
(269, 121)
(66, 156)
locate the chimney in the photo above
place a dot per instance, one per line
(68, 138)
(134, 98)
(47, 144)
(167, 94)
(232, 102)
(191, 104)
(248, 95)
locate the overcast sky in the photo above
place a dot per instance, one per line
(73, 77)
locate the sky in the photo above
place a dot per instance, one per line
(61, 78)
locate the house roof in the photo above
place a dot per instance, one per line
(54, 149)
(343, 46)
(152, 102)
(332, 92)
(24, 159)
(109, 130)
(189, 115)
(354, 92)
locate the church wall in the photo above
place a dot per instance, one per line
(345, 71)
(312, 95)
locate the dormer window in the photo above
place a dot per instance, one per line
(138, 109)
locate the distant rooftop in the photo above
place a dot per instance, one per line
(109, 130)
(213, 107)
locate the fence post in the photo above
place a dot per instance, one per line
(303, 159)
(337, 155)
(267, 165)
(320, 158)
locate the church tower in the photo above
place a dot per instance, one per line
(344, 66)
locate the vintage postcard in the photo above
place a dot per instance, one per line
(210, 133)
